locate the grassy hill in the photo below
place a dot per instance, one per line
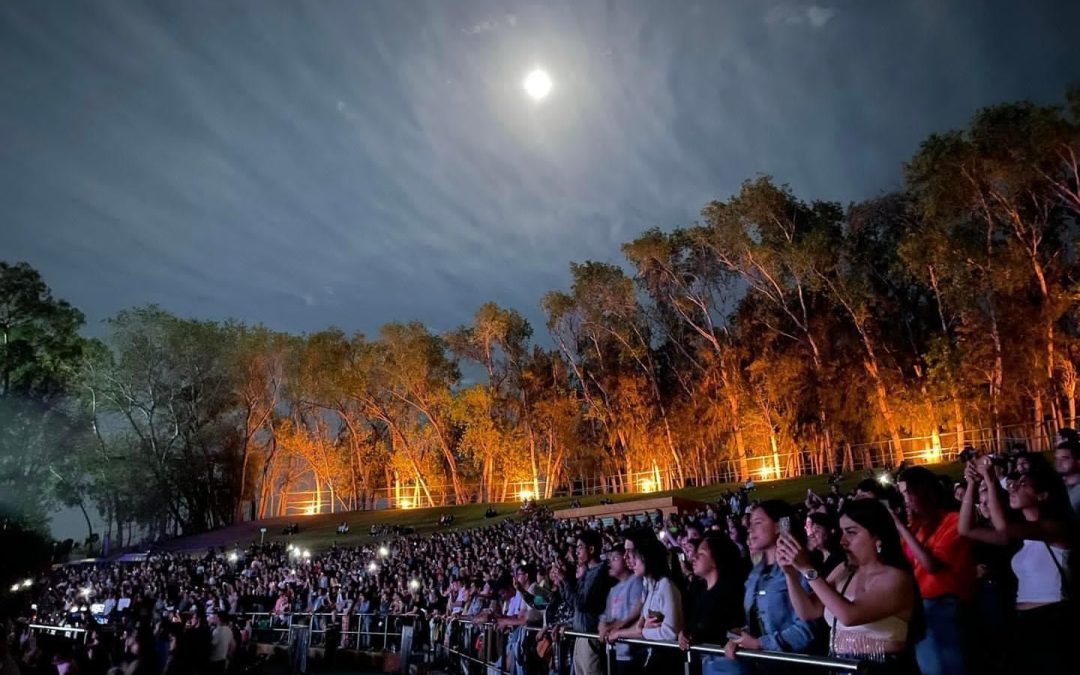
(318, 532)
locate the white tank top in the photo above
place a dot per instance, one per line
(1037, 575)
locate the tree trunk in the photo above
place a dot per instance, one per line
(870, 363)
(533, 462)
(89, 525)
(1035, 443)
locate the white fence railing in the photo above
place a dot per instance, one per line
(927, 449)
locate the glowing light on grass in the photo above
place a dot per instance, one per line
(525, 495)
(406, 503)
(648, 485)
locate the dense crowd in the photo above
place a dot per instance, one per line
(910, 571)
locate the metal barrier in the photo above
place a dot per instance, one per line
(491, 655)
(68, 632)
(322, 623)
(490, 648)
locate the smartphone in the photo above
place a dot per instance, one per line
(785, 525)
(653, 614)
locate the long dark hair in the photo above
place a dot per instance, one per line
(730, 567)
(654, 556)
(775, 509)
(1056, 506)
(873, 516)
(926, 487)
(832, 540)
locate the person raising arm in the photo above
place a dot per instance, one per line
(869, 600)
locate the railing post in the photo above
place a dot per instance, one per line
(609, 653)
(385, 631)
(688, 658)
(556, 645)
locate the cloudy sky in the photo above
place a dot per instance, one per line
(349, 163)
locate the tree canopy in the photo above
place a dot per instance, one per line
(779, 334)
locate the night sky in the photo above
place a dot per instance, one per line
(307, 164)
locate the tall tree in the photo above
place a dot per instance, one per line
(40, 353)
(760, 235)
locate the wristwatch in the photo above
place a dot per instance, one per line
(811, 574)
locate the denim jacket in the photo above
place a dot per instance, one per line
(783, 630)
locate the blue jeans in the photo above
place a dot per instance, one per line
(512, 643)
(941, 649)
(714, 664)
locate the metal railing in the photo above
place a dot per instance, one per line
(372, 630)
(492, 655)
(323, 623)
(455, 638)
(69, 632)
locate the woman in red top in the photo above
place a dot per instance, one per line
(944, 570)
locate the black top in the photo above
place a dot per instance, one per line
(713, 612)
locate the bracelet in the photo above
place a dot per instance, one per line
(811, 574)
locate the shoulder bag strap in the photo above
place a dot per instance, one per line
(1066, 587)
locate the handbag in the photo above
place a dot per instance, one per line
(544, 646)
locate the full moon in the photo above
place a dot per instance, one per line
(537, 84)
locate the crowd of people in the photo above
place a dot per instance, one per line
(910, 571)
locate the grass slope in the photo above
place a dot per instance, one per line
(319, 532)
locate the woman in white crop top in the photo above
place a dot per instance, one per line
(1045, 528)
(869, 600)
